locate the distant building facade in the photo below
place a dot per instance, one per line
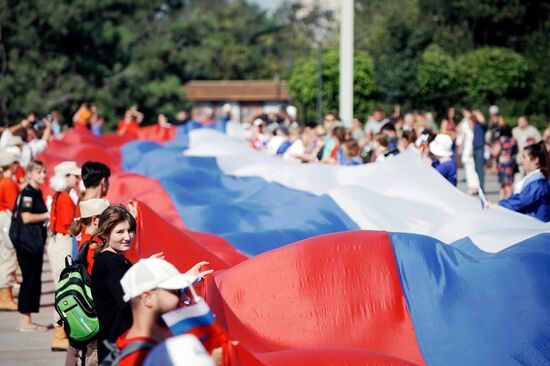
(247, 98)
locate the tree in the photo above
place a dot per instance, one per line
(436, 78)
(60, 54)
(303, 83)
(394, 34)
(489, 74)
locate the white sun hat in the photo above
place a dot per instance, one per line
(93, 207)
(442, 145)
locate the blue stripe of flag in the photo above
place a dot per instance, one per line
(185, 325)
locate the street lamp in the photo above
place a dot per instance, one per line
(346, 62)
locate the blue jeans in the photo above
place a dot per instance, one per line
(479, 161)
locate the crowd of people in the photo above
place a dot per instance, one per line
(76, 215)
(478, 143)
(79, 213)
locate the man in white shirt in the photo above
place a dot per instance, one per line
(525, 134)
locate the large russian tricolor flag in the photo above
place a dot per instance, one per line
(383, 264)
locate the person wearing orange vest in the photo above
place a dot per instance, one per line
(59, 243)
(9, 190)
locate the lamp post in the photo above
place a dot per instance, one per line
(346, 62)
(319, 83)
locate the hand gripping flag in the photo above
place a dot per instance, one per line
(197, 319)
(485, 204)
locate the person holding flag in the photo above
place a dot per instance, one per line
(442, 149)
(532, 196)
(153, 287)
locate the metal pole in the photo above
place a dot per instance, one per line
(346, 62)
(320, 84)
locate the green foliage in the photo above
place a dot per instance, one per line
(419, 53)
(436, 78)
(303, 83)
(59, 54)
(488, 74)
(400, 35)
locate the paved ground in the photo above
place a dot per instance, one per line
(30, 349)
(492, 187)
(33, 349)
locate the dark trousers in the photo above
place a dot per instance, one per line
(31, 287)
(479, 161)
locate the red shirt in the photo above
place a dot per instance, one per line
(334, 151)
(8, 193)
(136, 358)
(20, 174)
(63, 208)
(127, 128)
(84, 237)
(77, 211)
(79, 125)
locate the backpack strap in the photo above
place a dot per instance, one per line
(54, 212)
(134, 347)
(83, 253)
(16, 213)
(16, 216)
(68, 261)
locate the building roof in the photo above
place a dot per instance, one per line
(236, 91)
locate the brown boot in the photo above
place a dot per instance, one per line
(6, 300)
(60, 342)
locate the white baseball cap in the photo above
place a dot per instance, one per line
(442, 145)
(15, 141)
(258, 122)
(93, 207)
(151, 273)
(7, 159)
(292, 111)
(66, 168)
(493, 109)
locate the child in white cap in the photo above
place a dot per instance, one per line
(442, 148)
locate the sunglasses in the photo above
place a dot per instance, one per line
(179, 293)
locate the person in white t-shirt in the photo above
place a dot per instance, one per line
(524, 134)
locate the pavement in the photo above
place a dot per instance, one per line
(492, 187)
(33, 349)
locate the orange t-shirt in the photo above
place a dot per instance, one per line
(63, 208)
(136, 358)
(83, 119)
(8, 193)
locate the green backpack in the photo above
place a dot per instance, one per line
(74, 303)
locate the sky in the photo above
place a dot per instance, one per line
(269, 4)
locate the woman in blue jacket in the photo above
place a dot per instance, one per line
(532, 195)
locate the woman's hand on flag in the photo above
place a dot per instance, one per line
(196, 269)
(159, 255)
